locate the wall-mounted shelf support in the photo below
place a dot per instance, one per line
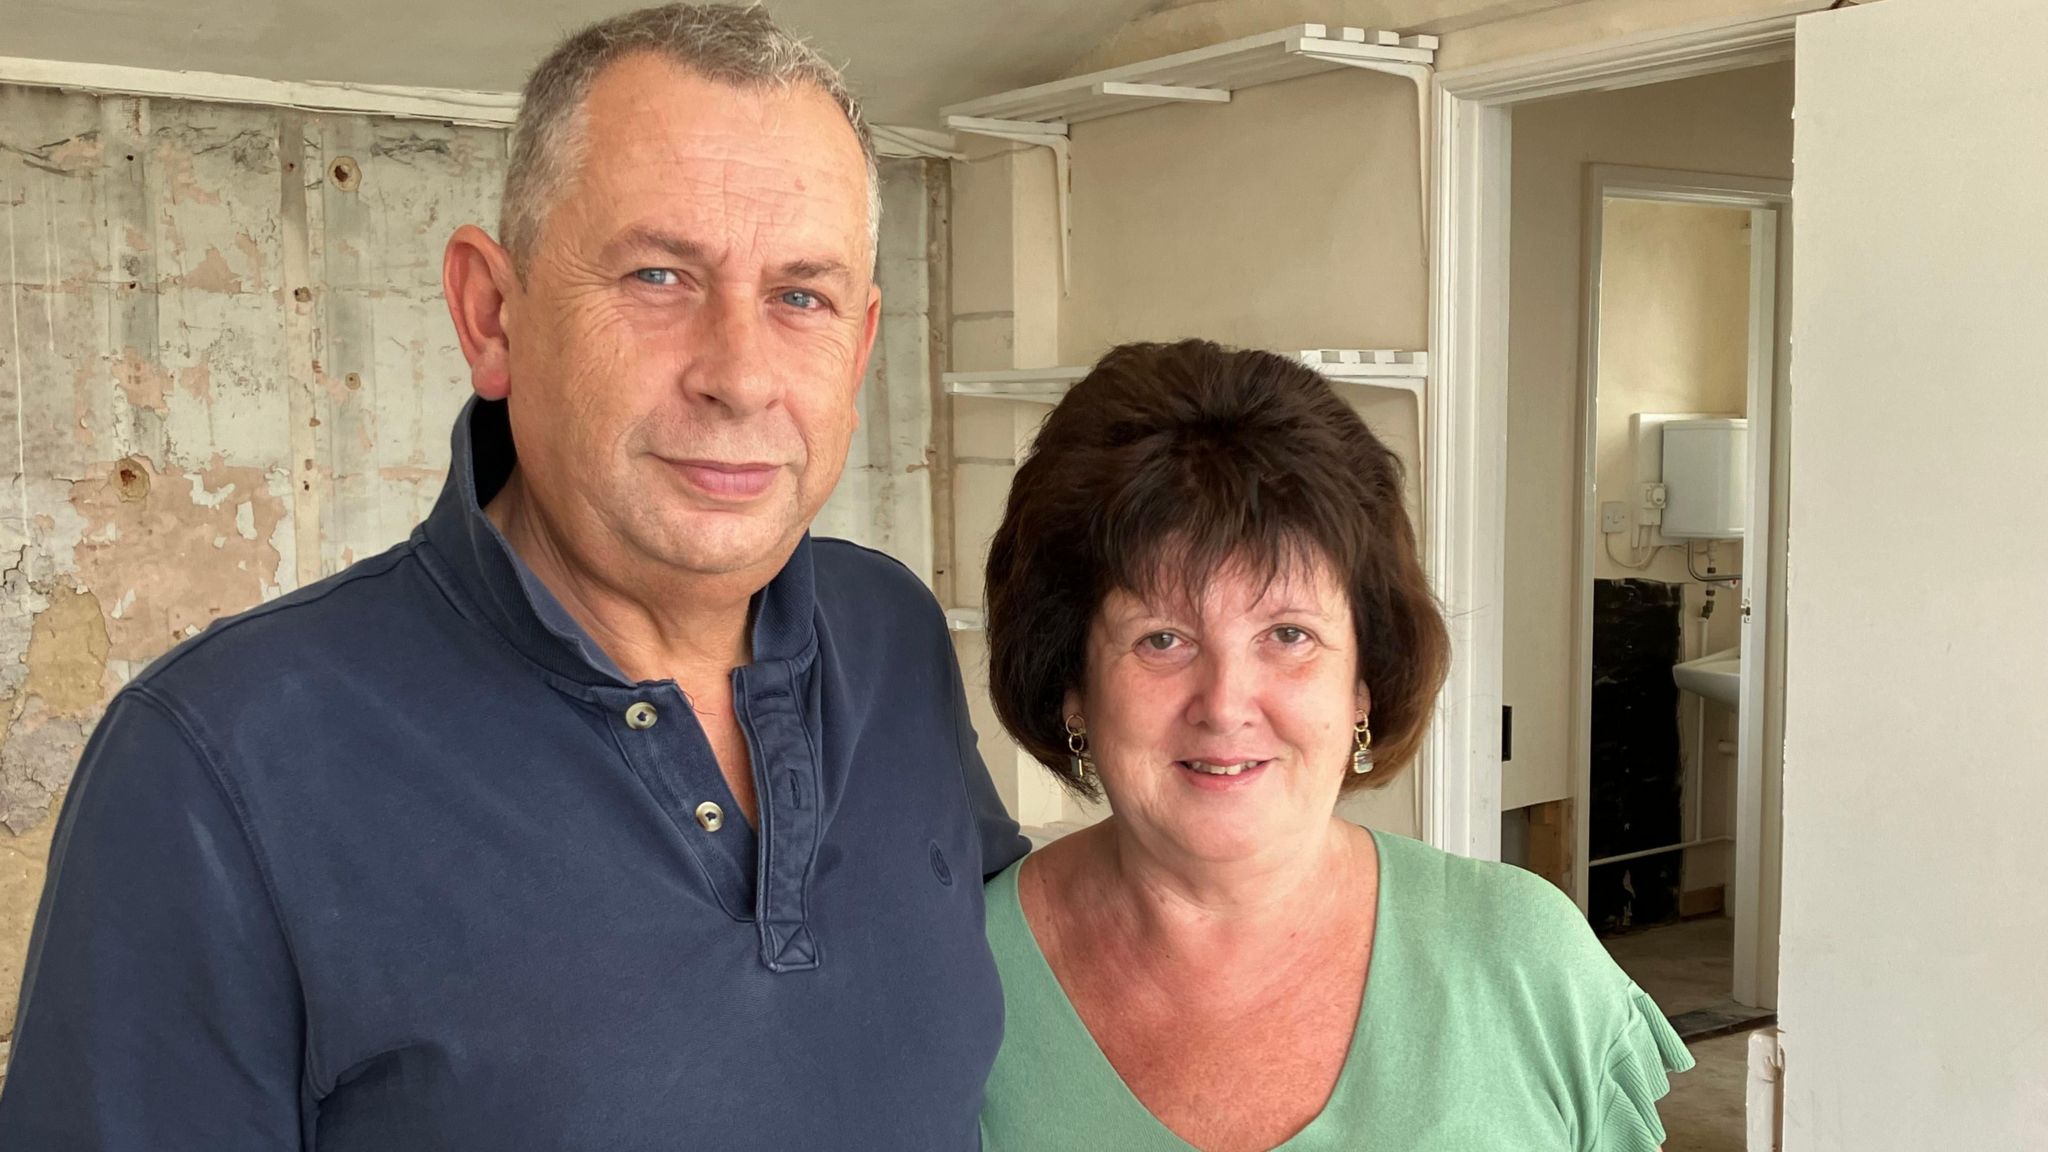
(1163, 92)
(898, 142)
(1348, 55)
(1051, 134)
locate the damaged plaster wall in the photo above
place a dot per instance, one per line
(226, 371)
(884, 497)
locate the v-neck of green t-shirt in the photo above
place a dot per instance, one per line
(1331, 1123)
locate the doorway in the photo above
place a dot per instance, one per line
(1517, 347)
(1681, 344)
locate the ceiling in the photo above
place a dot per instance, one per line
(905, 57)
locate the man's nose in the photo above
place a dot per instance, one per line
(731, 365)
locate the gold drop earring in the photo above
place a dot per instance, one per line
(1079, 762)
(1361, 746)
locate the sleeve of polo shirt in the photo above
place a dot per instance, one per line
(1001, 843)
(160, 1008)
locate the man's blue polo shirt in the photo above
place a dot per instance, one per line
(402, 861)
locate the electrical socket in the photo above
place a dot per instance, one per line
(1613, 517)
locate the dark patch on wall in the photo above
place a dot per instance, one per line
(1637, 786)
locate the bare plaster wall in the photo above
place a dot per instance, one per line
(226, 370)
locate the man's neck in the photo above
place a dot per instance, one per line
(655, 622)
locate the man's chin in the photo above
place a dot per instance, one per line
(728, 543)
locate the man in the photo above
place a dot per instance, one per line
(610, 811)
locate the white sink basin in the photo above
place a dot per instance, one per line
(1717, 676)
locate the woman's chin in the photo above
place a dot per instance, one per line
(1246, 837)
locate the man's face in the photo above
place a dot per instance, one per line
(694, 322)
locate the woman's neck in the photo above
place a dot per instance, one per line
(1230, 916)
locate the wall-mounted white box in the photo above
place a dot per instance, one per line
(1706, 479)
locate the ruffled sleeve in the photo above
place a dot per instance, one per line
(1636, 1077)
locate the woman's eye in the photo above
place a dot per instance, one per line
(1159, 642)
(660, 277)
(1289, 635)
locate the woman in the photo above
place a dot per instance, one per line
(1204, 603)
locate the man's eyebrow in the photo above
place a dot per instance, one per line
(641, 238)
(815, 270)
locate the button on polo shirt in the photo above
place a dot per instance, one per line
(402, 861)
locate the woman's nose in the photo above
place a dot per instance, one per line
(1226, 693)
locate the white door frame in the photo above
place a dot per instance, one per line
(1467, 418)
(1768, 203)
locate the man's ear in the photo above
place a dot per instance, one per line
(480, 283)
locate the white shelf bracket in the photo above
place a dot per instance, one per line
(1163, 92)
(900, 142)
(1418, 74)
(1051, 135)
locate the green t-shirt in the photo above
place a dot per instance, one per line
(1493, 1020)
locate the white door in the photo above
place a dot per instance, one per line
(1914, 963)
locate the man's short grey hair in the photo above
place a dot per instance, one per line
(729, 44)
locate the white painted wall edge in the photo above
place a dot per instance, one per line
(454, 105)
(1685, 50)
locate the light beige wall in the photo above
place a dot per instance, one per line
(1735, 122)
(1912, 1000)
(1674, 337)
(1289, 218)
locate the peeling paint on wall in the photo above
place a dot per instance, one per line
(165, 445)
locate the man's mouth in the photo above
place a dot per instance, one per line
(724, 481)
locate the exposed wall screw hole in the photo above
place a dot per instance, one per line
(132, 479)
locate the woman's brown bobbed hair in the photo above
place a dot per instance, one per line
(1170, 461)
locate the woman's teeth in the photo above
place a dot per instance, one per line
(1208, 769)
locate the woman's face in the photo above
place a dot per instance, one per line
(1222, 730)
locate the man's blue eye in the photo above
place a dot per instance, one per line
(663, 277)
(801, 299)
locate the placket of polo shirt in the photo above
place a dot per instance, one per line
(674, 759)
(766, 697)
